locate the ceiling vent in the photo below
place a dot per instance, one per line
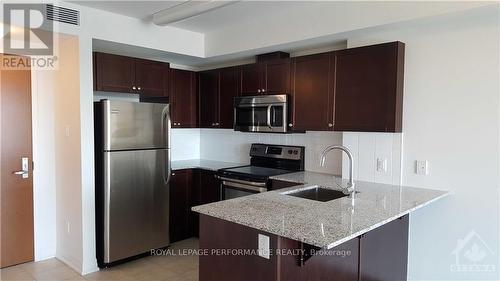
(61, 14)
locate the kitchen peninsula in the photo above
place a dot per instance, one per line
(304, 239)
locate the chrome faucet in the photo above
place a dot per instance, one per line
(350, 184)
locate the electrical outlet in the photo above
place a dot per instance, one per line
(381, 165)
(264, 246)
(421, 167)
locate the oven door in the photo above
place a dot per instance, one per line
(261, 114)
(233, 188)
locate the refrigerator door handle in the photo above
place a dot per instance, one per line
(169, 169)
(165, 120)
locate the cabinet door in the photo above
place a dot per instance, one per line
(210, 189)
(180, 198)
(369, 88)
(152, 78)
(312, 82)
(384, 252)
(277, 77)
(228, 90)
(251, 79)
(114, 73)
(205, 189)
(209, 99)
(183, 103)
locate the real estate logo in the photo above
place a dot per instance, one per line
(28, 37)
(27, 32)
(471, 254)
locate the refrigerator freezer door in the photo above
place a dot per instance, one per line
(133, 125)
(136, 202)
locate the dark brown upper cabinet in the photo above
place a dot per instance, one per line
(183, 99)
(217, 89)
(251, 79)
(152, 78)
(269, 77)
(277, 77)
(312, 93)
(369, 88)
(209, 98)
(228, 90)
(113, 73)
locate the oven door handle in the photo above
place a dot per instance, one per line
(243, 182)
(244, 186)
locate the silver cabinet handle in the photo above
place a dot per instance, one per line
(134, 88)
(258, 90)
(290, 125)
(173, 174)
(22, 172)
(139, 88)
(178, 124)
(330, 125)
(216, 124)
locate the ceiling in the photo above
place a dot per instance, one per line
(135, 9)
(240, 11)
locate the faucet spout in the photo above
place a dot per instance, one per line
(350, 185)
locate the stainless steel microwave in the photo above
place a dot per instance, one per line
(266, 113)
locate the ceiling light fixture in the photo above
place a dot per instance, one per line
(186, 10)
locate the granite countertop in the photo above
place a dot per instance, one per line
(203, 164)
(322, 224)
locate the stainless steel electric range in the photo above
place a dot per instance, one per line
(266, 160)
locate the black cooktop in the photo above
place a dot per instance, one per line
(256, 171)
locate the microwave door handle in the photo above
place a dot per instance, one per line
(269, 117)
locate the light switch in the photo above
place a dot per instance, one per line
(264, 246)
(421, 167)
(381, 165)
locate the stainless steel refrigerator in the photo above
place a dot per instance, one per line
(132, 160)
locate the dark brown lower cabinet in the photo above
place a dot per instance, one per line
(385, 252)
(180, 201)
(378, 255)
(188, 188)
(218, 234)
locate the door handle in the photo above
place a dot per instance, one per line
(25, 168)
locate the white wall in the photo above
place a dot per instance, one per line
(230, 146)
(67, 136)
(451, 118)
(44, 186)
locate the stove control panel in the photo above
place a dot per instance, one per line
(277, 151)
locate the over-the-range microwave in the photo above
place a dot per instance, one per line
(265, 113)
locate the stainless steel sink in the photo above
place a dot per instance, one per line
(317, 193)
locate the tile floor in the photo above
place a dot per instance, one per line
(178, 267)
